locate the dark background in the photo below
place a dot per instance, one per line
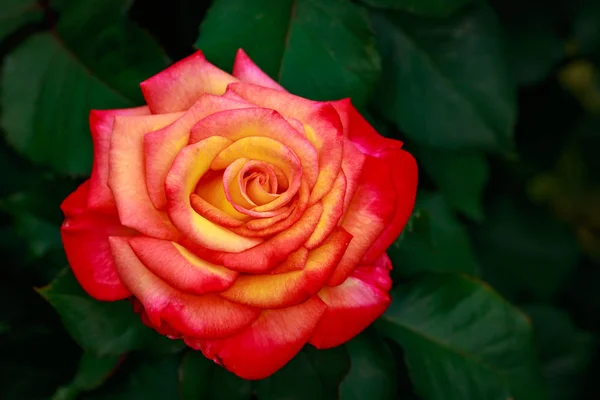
(499, 102)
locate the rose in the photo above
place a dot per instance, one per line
(243, 219)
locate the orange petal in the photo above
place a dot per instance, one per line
(180, 268)
(85, 239)
(322, 126)
(126, 175)
(246, 71)
(190, 164)
(212, 213)
(206, 316)
(352, 164)
(333, 207)
(370, 212)
(352, 306)
(271, 252)
(286, 289)
(180, 85)
(260, 122)
(268, 344)
(101, 125)
(161, 146)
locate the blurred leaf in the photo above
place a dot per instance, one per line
(320, 49)
(372, 370)
(104, 328)
(446, 83)
(534, 51)
(565, 351)
(95, 58)
(462, 341)
(524, 253)
(311, 374)
(16, 13)
(91, 373)
(586, 31)
(434, 240)
(433, 8)
(144, 378)
(461, 177)
(202, 379)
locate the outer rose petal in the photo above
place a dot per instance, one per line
(247, 71)
(360, 132)
(206, 316)
(85, 238)
(268, 344)
(353, 305)
(370, 212)
(101, 125)
(405, 176)
(179, 86)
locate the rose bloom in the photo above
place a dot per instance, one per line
(238, 217)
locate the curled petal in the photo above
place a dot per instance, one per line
(352, 164)
(286, 289)
(352, 306)
(247, 71)
(161, 146)
(333, 207)
(85, 239)
(268, 344)
(126, 175)
(101, 125)
(179, 86)
(180, 268)
(189, 165)
(206, 316)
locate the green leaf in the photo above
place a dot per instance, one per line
(311, 374)
(432, 8)
(145, 378)
(91, 373)
(202, 379)
(460, 176)
(462, 341)
(104, 328)
(95, 58)
(565, 351)
(586, 32)
(523, 252)
(320, 49)
(372, 371)
(446, 83)
(16, 13)
(434, 240)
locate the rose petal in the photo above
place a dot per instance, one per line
(352, 307)
(247, 71)
(352, 164)
(360, 132)
(405, 177)
(268, 344)
(206, 316)
(85, 239)
(179, 86)
(161, 146)
(101, 125)
(333, 207)
(322, 126)
(180, 268)
(190, 164)
(370, 212)
(287, 289)
(126, 175)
